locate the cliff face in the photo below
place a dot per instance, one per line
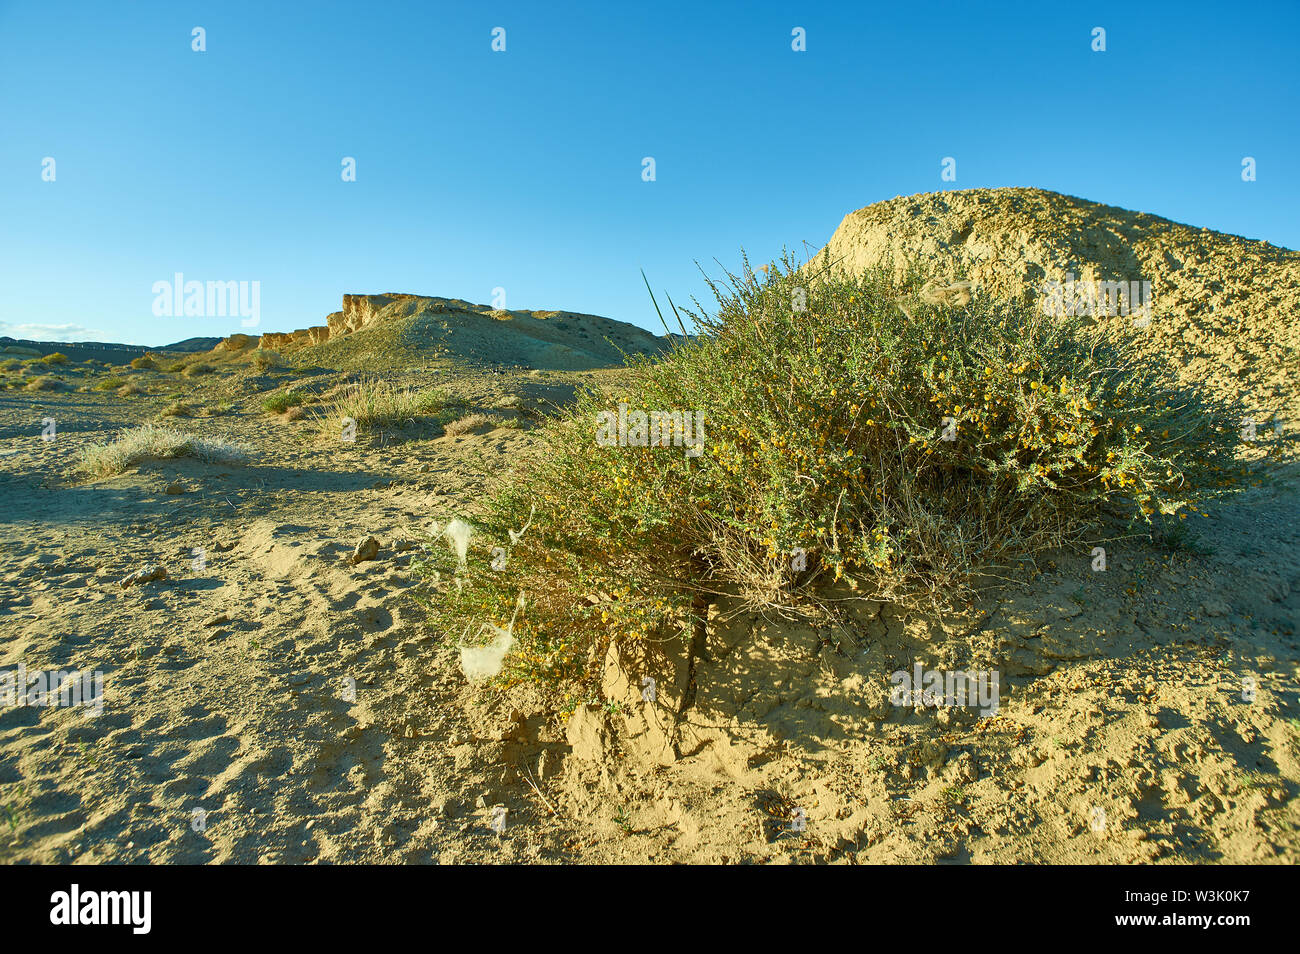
(1222, 306)
(362, 310)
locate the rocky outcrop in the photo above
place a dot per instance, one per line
(235, 342)
(274, 340)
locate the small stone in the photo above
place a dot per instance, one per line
(367, 549)
(1215, 607)
(148, 573)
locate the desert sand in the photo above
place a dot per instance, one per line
(274, 700)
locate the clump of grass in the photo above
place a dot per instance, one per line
(130, 389)
(282, 401)
(895, 445)
(176, 409)
(144, 363)
(470, 423)
(198, 368)
(372, 404)
(265, 359)
(44, 383)
(176, 367)
(56, 357)
(11, 364)
(110, 384)
(151, 442)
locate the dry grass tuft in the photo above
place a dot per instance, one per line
(152, 442)
(372, 403)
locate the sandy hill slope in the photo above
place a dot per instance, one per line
(411, 329)
(1222, 306)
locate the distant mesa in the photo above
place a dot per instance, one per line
(421, 327)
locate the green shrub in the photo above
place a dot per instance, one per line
(194, 370)
(56, 357)
(825, 459)
(110, 384)
(144, 363)
(281, 401)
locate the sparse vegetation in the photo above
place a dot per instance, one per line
(470, 423)
(198, 368)
(144, 363)
(130, 389)
(176, 409)
(56, 357)
(11, 364)
(896, 445)
(282, 401)
(265, 359)
(151, 442)
(44, 383)
(110, 384)
(372, 403)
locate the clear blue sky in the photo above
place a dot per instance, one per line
(522, 169)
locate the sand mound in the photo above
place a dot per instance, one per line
(1221, 304)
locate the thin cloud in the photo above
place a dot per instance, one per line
(32, 332)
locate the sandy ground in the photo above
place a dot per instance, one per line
(303, 704)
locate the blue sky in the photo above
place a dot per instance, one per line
(523, 169)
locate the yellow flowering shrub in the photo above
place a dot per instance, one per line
(851, 431)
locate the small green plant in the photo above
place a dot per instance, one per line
(198, 368)
(177, 409)
(281, 401)
(56, 357)
(1179, 538)
(144, 363)
(12, 811)
(623, 818)
(110, 384)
